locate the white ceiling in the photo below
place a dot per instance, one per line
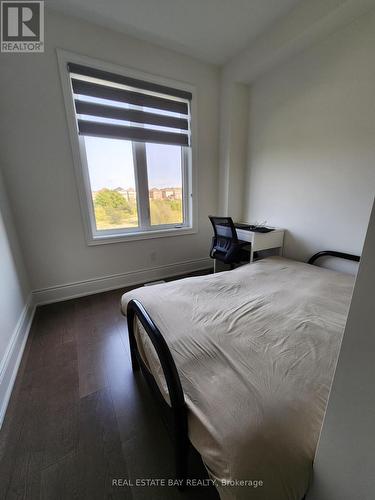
(211, 30)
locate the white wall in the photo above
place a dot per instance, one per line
(306, 23)
(311, 143)
(38, 159)
(344, 467)
(234, 104)
(14, 296)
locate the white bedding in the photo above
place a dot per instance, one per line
(256, 350)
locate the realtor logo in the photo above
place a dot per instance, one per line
(22, 26)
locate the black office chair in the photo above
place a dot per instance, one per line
(226, 246)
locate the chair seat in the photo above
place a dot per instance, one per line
(243, 256)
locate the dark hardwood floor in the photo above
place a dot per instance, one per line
(78, 418)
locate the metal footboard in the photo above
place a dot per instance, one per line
(177, 401)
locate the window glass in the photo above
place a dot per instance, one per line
(111, 172)
(164, 169)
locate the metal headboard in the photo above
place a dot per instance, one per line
(332, 253)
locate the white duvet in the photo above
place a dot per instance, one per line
(256, 350)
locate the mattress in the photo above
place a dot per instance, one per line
(255, 349)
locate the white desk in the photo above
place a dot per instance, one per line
(262, 241)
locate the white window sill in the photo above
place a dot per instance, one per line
(139, 235)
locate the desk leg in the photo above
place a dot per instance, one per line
(251, 254)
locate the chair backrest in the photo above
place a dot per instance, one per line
(224, 228)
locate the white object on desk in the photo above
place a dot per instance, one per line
(262, 241)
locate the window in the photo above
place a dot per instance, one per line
(134, 139)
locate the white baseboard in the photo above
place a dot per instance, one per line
(10, 363)
(105, 283)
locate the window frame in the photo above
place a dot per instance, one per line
(189, 177)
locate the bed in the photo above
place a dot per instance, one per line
(244, 361)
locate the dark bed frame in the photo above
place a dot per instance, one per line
(177, 410)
